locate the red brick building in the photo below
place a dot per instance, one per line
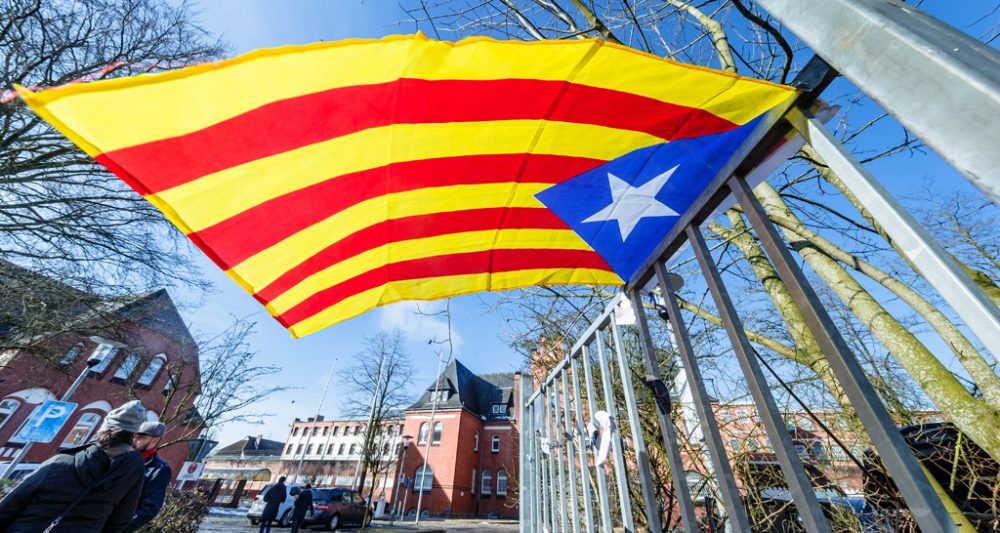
(152, 357)
(473, 452)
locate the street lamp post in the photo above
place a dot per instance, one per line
(429, 436)
(399, 479)
(91, 363)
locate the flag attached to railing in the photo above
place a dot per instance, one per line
(332, 178)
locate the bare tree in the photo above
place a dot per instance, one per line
(379, 383)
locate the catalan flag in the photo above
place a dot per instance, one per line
(331, 178)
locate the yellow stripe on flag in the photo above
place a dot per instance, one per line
(105, 113)
(456, 243)
(445, 287)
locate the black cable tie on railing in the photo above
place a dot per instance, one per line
(660, 393)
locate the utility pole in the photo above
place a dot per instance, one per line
(319, 408)
(399, 481)
(429, 436)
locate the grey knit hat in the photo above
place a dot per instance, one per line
(153, 429)
(128, 417)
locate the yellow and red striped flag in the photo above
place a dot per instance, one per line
(331, 178)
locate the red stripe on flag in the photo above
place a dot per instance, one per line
(417, 227)
(256, 229)
(295, 122)
(445, 265)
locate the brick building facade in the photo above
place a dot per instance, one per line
(472, 443)
(152, 358)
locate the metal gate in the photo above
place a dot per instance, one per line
(565, 485)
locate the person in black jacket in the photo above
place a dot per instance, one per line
(157, 475)
(272, 500)
(89, 489)
(303, 503)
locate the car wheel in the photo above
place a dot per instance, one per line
(254, 522)
(334, 522)
(368, 520)
(286, 519)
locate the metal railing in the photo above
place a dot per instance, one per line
(566, 487)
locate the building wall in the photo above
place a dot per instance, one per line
(27, 379)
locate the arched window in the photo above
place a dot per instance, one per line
(473, 490)
(496, 444)
(501, 483)
(128, 366)
(72, 354)
(436, 439)
(486, 487)
(105, 353)
(82, 431)
(152, 370)
(475, 443)
(422, 434)
(423, 479)
(7, 409)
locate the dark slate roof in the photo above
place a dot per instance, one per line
(477, 393)
(251, 444)
(156, 311)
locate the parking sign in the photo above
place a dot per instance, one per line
(45, 423)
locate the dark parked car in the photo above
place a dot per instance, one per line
(336, 508)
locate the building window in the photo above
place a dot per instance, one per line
(170, 384)
(436, 439)
(501, 483)
(734, 444)
(329, 449)
(149, 375)
(499, 409)
(298, 450)
(336, 430)
(475, 442)
(354, 449)
(357, 429)
(422, 434)
(819, 452)
(423, 480)
(71, 354)
(106, 353)
(496, 444)
(82, 431)
(807, 424)
(486, 487)
(7, 409)
(128, 366)
(341, 450)
(309, 449)
(473, 489)
(315, 430)
(385, 449)
(288, 450)
(440, 395)
(295, 431)
(326, 429)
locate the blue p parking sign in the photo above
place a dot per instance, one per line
(44, 424)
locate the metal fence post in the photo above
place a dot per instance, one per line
(710, 427)
(621, 473)
(798, 483)
(602, 478)
(570, 453)
(559, 449)
(921, 62)
(588, 506)
(651, 503)
(923, 503)
(524, 462)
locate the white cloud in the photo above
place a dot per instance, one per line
(419, 322)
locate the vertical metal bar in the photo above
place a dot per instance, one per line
(558, 449)
(709, 425)
(956, 287)
(920, 498)
(932, 77)
(802, 492)
(588, 505)
(602, 478)
(550, 493)
(621, 474)
(574, 506)
(664, 418)
(524, 472)
(650, 501)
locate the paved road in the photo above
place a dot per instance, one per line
(240, 524)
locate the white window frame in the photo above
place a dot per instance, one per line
(495, 444)
(436, 433)
(499, 409)
(422, 433)
(128, 366)
(72, 354)
(91, 427)
(501, 488)
(473, 489)
(475, 443)
(106, 353)
(8, 410)
(152, 370)
(420, 479)
(486, 486)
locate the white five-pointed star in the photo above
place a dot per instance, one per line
(631, 204)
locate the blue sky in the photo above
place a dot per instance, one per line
(252, 24)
